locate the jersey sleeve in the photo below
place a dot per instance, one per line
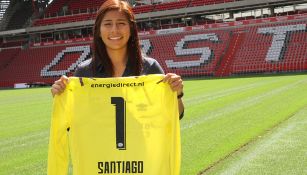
(58, 155)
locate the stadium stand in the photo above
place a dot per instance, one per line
(197, 49)
(245, 45)
(54, 8)
(63, 19)
(81, 6)
(7, 55)
(208, 2)
(172, 5)
(143, 9)
(79, 10)
(277, 47)
(31, 65)
(273, 48)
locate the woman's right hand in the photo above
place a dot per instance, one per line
(59, 85)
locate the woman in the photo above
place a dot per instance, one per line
(117, 51)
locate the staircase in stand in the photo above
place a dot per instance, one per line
(234, 45)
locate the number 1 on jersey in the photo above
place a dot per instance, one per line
(120, 110)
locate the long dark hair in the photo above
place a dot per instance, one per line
(133, 45)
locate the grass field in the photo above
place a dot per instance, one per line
(251, 125)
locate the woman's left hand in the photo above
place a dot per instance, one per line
(175, 82)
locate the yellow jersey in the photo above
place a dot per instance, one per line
(126, 125)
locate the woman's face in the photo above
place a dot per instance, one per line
(115, 30)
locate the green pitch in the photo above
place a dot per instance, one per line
(231, 126)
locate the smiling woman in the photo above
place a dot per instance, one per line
(115, 28)
(116, 42)
(117, 51)
(115, 33)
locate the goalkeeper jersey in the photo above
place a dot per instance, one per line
(126, 125)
